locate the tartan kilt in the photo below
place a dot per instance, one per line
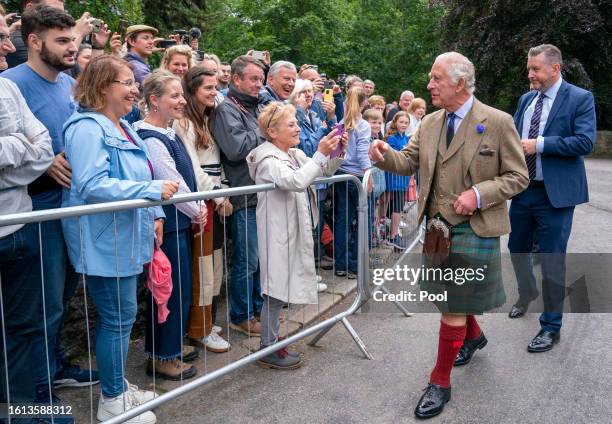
(467, 295)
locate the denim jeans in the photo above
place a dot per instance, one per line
(166, 340)
(60, 285)
(346, 197)
(21, 313)
(115, 300)
(245, 290)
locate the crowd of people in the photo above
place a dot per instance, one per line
(122, 130)
(91, 122)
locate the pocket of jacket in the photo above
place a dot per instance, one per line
(104, 228)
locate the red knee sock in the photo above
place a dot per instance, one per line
(451, 340)
(473, 330)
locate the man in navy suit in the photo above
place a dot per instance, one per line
(556, 121)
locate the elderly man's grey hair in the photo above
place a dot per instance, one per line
(407, 93)
(460, 67)
(300, 85)
(276, 66)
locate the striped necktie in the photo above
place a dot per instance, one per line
(450, 129)
(534, 130)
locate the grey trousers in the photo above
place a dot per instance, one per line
(270, 324)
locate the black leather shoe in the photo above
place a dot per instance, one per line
(543, 341)
(432, 402)
(468, 349)
(521, 306)
(518, 310)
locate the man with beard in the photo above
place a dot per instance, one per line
(48, 33)
(225, 72)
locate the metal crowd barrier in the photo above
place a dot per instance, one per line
(409, 228)
(318, 330)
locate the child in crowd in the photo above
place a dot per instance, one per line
(377, 184)
(396, 184)
(285, 220)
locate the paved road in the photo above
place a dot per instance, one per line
(503, 384)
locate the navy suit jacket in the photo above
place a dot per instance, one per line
(569, 135)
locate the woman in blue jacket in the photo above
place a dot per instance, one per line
(109, 163)
(397, 184)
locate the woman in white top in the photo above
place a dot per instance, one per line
(199, 86)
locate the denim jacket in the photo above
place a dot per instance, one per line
(107, 167)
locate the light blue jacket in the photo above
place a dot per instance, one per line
(107, 167)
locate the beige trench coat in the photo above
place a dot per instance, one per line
(285, 220)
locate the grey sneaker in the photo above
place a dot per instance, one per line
(282, 359)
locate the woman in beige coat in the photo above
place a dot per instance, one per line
(285, 219)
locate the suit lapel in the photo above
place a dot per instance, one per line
(473, 139)
(435, 144)
(467, 132)
(524, 106)
(559, 100)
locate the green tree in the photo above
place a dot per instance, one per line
(497, 35)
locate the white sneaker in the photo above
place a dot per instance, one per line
(321, 287)
(215, 343)
(139, 395)
(216, 329)
(109, 408)
(319, 278)
(403, 224)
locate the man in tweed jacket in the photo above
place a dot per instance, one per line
(471, 162)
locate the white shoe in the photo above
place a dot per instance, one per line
(216, 343)
(216, 329)
(403, 224)
(109, 408)
(139, 395)
(319, 278)
(321, 287)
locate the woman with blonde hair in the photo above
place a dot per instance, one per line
(178, 60)
(199, 86)
(356, 162)
(163, 94)
(285, 220)
(416, 111)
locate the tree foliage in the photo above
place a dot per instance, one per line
(497, 35)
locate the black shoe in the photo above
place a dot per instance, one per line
(520, 307)
(432, 402)
(340, 273)
(543, 341)
(468, 349)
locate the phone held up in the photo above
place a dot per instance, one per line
(339, 150)
(258, 54)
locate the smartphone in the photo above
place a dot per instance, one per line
(164, 44)
(339, 150)
(328, 95)
(97, 25)
(328, 85)
(258, 54)
(123, 26)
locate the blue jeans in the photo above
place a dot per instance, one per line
(532, 215)
(245, 290)
(22, 311)
(115, 300)
(166, 340)
(347, 201)
(60, 284)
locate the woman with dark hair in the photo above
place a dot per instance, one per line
(110, 162)
(199, 86)
(83, 56)
(163, 95)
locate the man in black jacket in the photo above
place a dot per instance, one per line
(236, 132)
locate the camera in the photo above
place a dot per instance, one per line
(187, 36)
(164, 44)
(97, 25)
(13, 19)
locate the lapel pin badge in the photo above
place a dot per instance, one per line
(480, 128)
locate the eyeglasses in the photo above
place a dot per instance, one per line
(128, 83)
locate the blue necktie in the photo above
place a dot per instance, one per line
(534, 130)
(450, 130)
